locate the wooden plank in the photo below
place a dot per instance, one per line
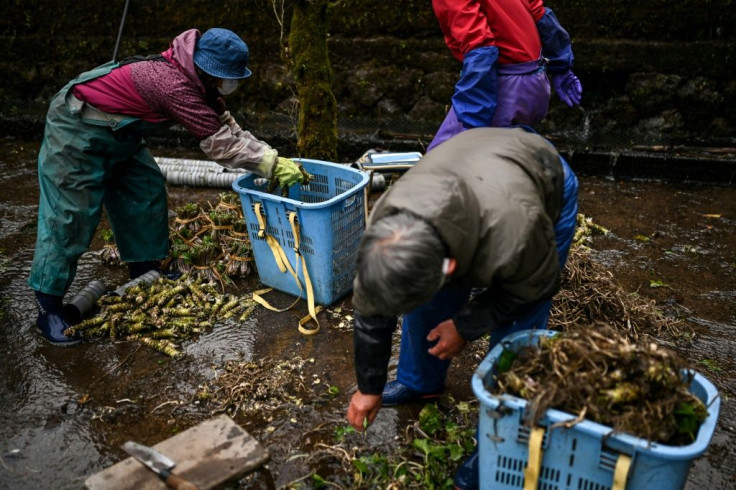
(207, 455)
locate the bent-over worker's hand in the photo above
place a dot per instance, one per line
(363, 410)
(449, 342)
(287, 172)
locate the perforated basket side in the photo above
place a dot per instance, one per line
(330, 217)
(584, 456)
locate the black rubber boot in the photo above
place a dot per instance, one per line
(137, 269)
(467, 477)
(51, 322)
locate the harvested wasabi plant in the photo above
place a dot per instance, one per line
(600, 375)
(585, 228)
(262, 386)
(163, 314)
(109, 253)
(212, 244)
(589, 294)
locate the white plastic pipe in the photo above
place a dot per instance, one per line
(201, 173)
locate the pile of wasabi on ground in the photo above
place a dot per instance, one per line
(598, 374)
(163, 314)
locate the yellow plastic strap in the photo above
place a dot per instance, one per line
(534, 465)
(281, 261)
(278, 253)
(307, 281)
(258, 298)
(283, 264)
(621, 473)
(308, 318)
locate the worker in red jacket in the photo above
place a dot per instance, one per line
(507, 48)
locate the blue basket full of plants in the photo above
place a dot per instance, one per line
(589, 410)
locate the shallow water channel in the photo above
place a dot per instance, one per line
(65, 412)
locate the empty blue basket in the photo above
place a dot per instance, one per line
(583, 457)
(331, 217)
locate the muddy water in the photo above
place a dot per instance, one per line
(65, 412)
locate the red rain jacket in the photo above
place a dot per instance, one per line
(510, 25)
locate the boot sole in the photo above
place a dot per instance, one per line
(71, 343)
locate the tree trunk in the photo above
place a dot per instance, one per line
(317, 130)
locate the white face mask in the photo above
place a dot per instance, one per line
(227, 87)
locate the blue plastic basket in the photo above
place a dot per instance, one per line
(582, 457)
(331, 216)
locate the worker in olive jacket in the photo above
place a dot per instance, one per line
(470, 241)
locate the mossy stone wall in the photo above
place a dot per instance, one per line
(389, 60)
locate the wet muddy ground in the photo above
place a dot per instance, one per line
(65, 412)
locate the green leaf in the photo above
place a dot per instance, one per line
(421, 444)
(429, 449)
(711, 365)
(641, 238)
(505, 360)
(430, 419)
(689, 416)
(319, 482)
(657, 283)
(456, 452)
(341, 432)
(360, 466)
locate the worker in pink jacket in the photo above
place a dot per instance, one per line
(94, 154)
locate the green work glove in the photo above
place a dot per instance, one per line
(287, 172)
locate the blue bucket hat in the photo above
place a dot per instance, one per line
(222, 54)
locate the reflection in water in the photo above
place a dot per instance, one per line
(44, 433)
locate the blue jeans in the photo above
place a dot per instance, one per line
(426, 373)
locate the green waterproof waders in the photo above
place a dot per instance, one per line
(89, 159)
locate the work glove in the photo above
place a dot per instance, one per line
(567, 87)
(227, 119)
(287, 172)
(556, 48)
(474, 100)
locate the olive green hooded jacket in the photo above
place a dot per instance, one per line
(493, 194)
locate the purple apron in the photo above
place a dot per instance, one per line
(522, 96)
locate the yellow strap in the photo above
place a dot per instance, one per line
(283, 264)
(281, 261)
(534, 465)
(308, 318)
(278, 253)
(258, 298)
(621, 473)
(307, 281)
